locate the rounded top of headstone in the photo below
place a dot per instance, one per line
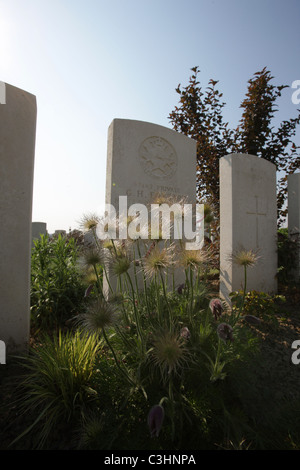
(251, 159)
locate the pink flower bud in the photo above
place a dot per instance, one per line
(155, 419)
(180, 288)
(185, 333)
(225, 332)
(88, 290)
(216, 308)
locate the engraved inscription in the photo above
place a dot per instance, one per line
(158, 157)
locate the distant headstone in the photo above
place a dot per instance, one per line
(63, 233)
(146, 159)
(38, 229)
(294, 212)
(17, 148)
(248, 221)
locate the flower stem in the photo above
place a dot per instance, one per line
(137, 319)
(125, 374)
(192, 289)
(165, 294)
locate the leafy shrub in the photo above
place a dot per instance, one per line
(287, 257)
(257, 304)
(56, 284)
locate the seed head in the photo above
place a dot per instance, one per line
(192, 258)
(89, 222)
(100, 314)
(246, 258)
(91, 257)
(157, 259)
(121, 265)
(169, 352)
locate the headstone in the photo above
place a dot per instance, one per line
(63, 233)
(294, 212)
(248, 221)
(38, 229)
(17, 148)
(146, 159)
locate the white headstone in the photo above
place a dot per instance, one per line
(17, 147)
(248, 221)
(146, 159)
(294, 211)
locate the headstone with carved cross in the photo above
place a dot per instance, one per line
(248, 221)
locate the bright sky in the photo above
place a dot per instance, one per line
(90, 61)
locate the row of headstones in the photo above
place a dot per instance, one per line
(39, 229)
(142, 159)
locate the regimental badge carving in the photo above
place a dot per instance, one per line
(158, 157)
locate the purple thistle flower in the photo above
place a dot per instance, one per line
(216, 308)
(225, 332)
(155, 419)
(180, 288)
(88, 290)
(185, 333)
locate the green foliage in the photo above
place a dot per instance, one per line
(156, 344)
(259, 304)
(56, 285)
(57, 385)
(199, 115)
(287, 257)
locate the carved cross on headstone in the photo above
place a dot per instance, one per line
(256, 213)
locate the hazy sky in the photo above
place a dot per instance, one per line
(90, 61)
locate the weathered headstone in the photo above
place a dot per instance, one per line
(38, 229)
(146, 159)
(294, 212)
(17, 148)
(248, 221)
